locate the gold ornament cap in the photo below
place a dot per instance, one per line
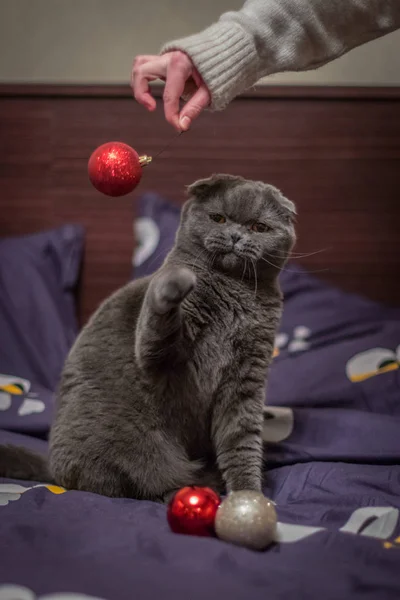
(145, 160)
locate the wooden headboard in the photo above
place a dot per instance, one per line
(335, 152)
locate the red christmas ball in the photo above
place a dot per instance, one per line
(192, 511)
(115, 169)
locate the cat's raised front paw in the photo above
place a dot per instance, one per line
(171, 288)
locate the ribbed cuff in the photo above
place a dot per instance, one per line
(226, 58)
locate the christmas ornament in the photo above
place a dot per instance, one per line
(246, 518)
(192, 511)
(115, 169)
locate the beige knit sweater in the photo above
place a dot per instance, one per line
(272, 36)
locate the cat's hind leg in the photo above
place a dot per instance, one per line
(147, 470)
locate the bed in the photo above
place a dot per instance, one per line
(332, 419)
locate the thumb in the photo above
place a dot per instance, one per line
(197, 103)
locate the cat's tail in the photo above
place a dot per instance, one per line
(20, 463)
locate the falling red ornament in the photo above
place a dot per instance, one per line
(115, 168)
(192, 511)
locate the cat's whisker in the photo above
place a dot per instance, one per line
(197, 257)
(292, 270)
(244, 270)
(209, 260)
(214, 256)
(255, 277)
(272, 264)
(296, 254)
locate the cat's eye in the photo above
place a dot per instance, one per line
(218, 218)
(259, 227)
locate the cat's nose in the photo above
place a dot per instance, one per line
(235, 237)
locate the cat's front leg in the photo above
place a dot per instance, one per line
(160, 325)
(236, 430)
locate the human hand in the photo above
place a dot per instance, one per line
(181, 79)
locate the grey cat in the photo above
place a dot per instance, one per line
(165, 385)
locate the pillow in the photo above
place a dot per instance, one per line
(334, 348)
(38, 324)
(25, 407)
(155, 228)
(337, 367)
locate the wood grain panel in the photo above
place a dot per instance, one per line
(335, 152)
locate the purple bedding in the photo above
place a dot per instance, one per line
(38, 276)
(332, 430)
(338, 525)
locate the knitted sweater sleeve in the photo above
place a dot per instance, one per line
(273, 36)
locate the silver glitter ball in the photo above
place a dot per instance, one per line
(246, 518)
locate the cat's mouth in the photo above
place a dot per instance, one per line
(234, 258)
(238, 253)
(231, 257)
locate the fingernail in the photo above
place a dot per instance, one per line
(184, 123)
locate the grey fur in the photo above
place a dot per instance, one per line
(20, 463)
(165, 385)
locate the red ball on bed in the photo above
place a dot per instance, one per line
(115, 169)
(192, 511)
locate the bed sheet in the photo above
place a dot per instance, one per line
(334, 476)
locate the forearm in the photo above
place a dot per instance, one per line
(161, 326)
(237, 434)
(272, 36)
(157, 337)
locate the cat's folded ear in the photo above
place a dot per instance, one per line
(287, 207)
(203, 188)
